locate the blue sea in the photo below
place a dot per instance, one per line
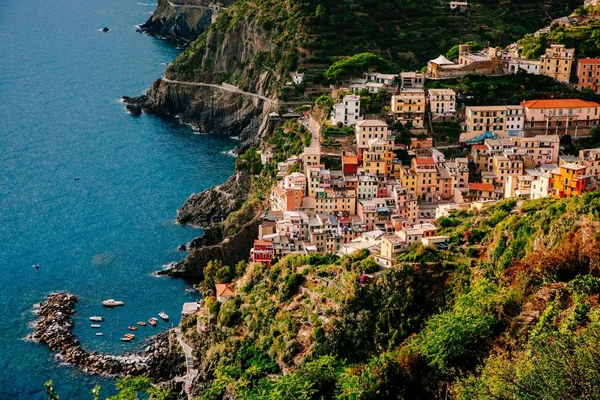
(88, 191)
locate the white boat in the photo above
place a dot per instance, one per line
(163, 315)
(96, 326)
(112, 303)
(96, 319)
(99, 334)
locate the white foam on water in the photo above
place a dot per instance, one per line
(230, 153)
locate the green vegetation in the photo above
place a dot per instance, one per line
(330, 40)
(356, 65)
(514, 281)
(132, 388)
(584, 38)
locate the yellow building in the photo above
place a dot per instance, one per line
(409, 106)
(377, 159)
(505, 166)
(330, 201)
(557, 62)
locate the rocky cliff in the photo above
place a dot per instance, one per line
(215, 204)
(226, 52)
(180, 19)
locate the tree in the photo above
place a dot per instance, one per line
(356, 64)
(50, 392)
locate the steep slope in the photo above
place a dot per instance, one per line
(181, 19)
(440, 323)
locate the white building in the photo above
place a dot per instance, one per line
(530, 66)
(348, 111)
(442, 103)
(515, 121)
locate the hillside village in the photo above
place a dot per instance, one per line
(349, 190)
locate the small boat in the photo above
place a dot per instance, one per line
(163, 315)
(126, 339)
(99, 334)
(132, 328)
(129, 335)
(141, 323)
(36, 266)
(153, 321)
(112, 303)
(96, 326)
(96, 319)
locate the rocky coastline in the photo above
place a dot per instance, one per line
(161, 359)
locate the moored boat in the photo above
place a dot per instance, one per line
(96, 319)
(153, 321)
(99, 334)
(132, 328)
(126, 339)
(96, 326)
(112, 303)
(141, 323)
(129, 335)
(163, 315)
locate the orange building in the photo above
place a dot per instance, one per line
(588, 73)
(569, 180)
(560, 114)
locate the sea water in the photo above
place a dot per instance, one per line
(88, 191)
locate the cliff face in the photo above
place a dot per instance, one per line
(222, 54)
(179, 20)
(215, 204)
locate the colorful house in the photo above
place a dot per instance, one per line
(569, 180)
(262, 252)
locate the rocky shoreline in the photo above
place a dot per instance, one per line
(162, 359)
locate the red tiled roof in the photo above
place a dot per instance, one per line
(559, 103)
(484, 187)
(424, 160)
(480, 146)
(589, 61)
(261, 242)
(224, 289)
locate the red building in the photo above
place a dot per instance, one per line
(349, 165)
(588, 73)
(262, 252)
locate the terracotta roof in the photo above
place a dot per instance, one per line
(559, 103)
(224, 290)
(260, 242)
(589, 61)
(484, 187)
(480, 146)
(349, 159)
(424, 160)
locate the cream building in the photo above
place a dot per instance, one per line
(557, 62)
(409, 106)
(442, 103)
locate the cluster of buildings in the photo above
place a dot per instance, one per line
(409, 105)
(375, 202)
(551, 116)
(532, 167)
(558, 62)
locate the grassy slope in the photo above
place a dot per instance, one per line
(307, 327)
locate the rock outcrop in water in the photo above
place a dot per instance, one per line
(181, 19)
(161, 359)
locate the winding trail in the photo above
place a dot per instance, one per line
(224, 86)
(188, 378)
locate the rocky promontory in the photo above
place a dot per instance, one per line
(181, 19)
(214, 204)
(162, 359)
